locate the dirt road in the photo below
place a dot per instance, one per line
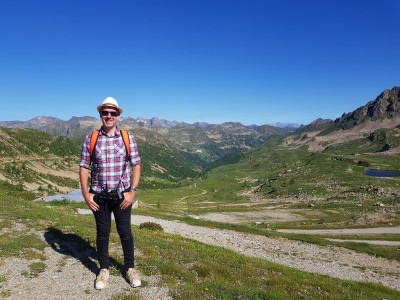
(336, 262)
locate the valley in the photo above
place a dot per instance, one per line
(240, 188)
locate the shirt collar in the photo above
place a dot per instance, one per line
(116, 133)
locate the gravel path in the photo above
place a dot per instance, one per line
(69, 274)
(347, 231)
(332, 261)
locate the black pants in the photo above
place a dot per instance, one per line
(103, 228)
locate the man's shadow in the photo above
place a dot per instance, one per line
(76, 247)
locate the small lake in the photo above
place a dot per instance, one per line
(382, 173)
(75, 196)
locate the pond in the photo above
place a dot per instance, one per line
(75, 196)
(382, 173)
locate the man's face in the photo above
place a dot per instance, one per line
(109, 117)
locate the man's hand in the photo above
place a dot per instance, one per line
(128, 199)
(83, 178)
(90, 202)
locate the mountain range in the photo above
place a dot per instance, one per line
(207, 141)
(42, 154)
(213, 141)
(40, 122)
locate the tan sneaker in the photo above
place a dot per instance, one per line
(133, 277)
(102, 278)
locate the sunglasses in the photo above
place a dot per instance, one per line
(105, 113)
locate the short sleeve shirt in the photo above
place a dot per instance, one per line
(110, 170)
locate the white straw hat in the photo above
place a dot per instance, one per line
(109, 102)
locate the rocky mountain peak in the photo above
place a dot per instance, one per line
(386, 105)
(34, 123)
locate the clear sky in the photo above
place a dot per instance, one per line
(249, 61)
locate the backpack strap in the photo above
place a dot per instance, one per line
(125, 137)
(93, 141)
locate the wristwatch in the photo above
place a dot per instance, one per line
(134, 188)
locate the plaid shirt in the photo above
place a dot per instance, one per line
(111, 156)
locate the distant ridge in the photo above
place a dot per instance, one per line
(385, 106)
(156, 122)
(34, 123)
(318, 124)
(207, 141)
(379, 117)
(289, 126)
(43, 121)
(212, 141)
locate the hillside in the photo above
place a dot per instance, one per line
(378, 118)
(208, 142)
(317, 167)
(215, 141)
(263, 195)
(42, 164)
(49, 249)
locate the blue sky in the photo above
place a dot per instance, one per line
(249, 61)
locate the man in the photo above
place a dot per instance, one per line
(114, 182)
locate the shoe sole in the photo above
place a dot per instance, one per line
(136, 285)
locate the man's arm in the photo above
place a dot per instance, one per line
(130, 196)
(84, 177)
(135, 175)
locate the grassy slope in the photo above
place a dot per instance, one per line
(329, 189)
(22, 150)
(191, 270)
(331, 181)
(270, 173)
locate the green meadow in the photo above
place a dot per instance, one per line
(190, 269)
(324, 190)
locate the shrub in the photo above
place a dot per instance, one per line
(151, 226)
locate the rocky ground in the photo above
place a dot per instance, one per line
(69, 275)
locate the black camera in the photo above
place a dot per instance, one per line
(107, 197)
